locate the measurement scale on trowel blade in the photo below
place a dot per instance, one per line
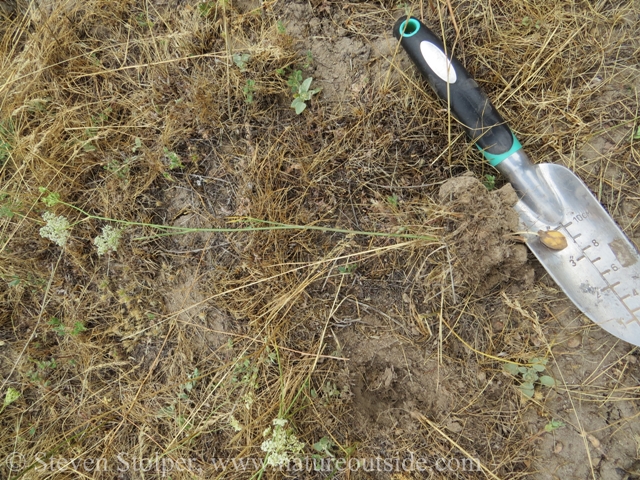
(599, 269)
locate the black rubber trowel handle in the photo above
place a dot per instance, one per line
(468, 103)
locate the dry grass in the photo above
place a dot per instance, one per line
(182, 333)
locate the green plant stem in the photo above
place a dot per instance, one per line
(173, 230)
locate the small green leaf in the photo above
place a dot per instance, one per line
(489, 182)
(241, 59)
(323, 445)
(553, 425)
(636, 136)
(537, 367)
(523, 369)
(511, 368)
(527, 386)
(51, 199)
(11, 396)
(347, 269)
(527, 392)
(78, 328)
(547, 381)
(306, 84)
(299, 105)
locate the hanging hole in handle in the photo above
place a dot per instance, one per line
(409, 27)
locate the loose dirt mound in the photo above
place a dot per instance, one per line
(482, 233)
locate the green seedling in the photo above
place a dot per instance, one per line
(42, 370)
(170, 411)
(636, 136)
(249, 90)
(323, 447)
(11, 396)
(118, 168)
(8, 207)
(489, 182)
(530, 375)
(300, 89)
(281, 28)
(241, 59)
(205, 8)
(186, 388)
(347, 269)
(527, 21)
(62, 330)
(143, 21)
(553, 425)
(174, 159)
(393, 200)
(308, 60)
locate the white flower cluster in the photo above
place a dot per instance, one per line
(57, 228)
(235, 424)
(108, 241)
(282, 445)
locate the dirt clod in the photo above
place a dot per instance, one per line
(480, 225)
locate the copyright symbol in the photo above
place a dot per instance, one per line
(15, 461)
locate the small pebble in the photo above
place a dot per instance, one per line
(455, 427)
(594, 441)
(482, 377)
(557, 448)
(574, 342)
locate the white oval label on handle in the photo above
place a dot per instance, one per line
(438, 62)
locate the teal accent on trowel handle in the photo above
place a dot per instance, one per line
(494, 159)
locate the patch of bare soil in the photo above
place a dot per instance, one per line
(382, 346)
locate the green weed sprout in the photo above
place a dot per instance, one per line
(174, 159)
(281, 445)
(300, 89)
(11, 396)
(241, 59)
(489, 182)
(248, 90)
(530, 375)
(553, 425)
(323, 447)
(58, 327)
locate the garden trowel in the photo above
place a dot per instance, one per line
(570, 233)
